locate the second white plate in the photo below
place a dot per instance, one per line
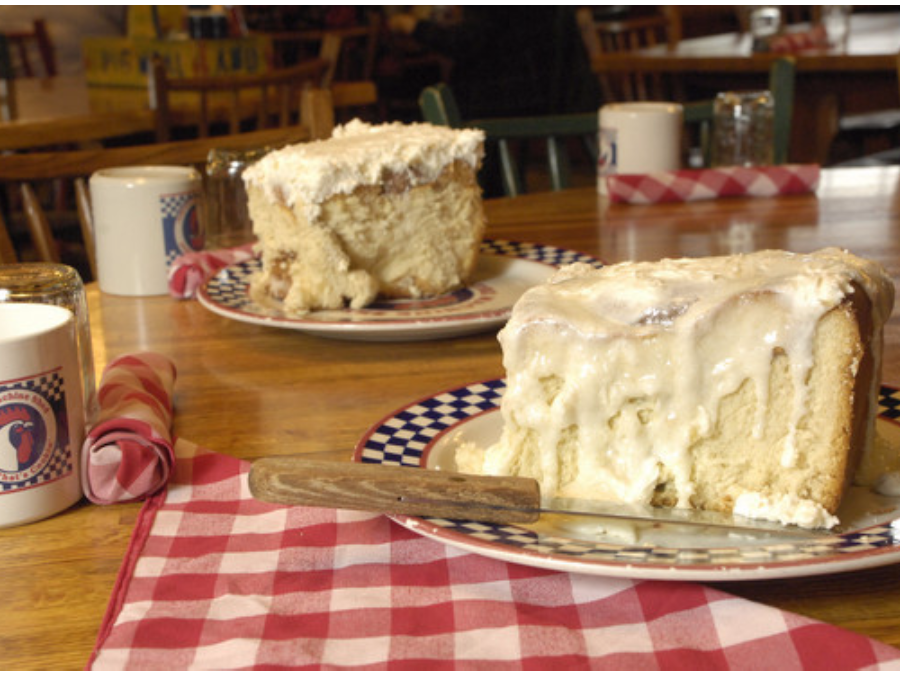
(505, 270)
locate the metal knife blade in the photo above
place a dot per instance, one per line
(634, 513)
(444, 494)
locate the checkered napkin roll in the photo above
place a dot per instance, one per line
(128, 453)
(215, 580)
(689, 185)
(189, 271)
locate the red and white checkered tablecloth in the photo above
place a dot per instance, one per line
(215, 580)
(689, 185)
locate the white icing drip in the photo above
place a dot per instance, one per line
(662, 348)
(787, 510)
(360, 154)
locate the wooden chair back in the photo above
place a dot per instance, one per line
(7, 250)
(351, 52)
(357, 51)
(25, 45)
(438, 106)
(77, 165)
(610, 37)
(8, 108)
(266, 101)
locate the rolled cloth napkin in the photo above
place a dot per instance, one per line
(188, 272)
(128, 453)
(690, 185)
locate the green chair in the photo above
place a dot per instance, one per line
(438, 106)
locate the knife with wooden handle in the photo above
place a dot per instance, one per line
(395, 490)
(413, 491)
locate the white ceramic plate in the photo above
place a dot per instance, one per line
(427, 433)
(505, 270)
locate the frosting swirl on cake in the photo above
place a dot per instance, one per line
(362, 154)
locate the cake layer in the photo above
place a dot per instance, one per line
(740, 383)
(394, 155)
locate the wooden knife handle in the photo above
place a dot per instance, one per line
(395, 490)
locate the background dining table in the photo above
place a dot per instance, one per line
(253, 391)
(859, 77)
(46, 99)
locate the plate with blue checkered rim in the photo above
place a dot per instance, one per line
(505, 270)
(427, 433)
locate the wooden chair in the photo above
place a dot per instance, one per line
(267, 100)
(26, 168)
(7, 250)
(607, 37)
(351, 55)
(351, 52)
(7, 113)
(8, 108)
(23, 43)
(438, 106)
(358, 51)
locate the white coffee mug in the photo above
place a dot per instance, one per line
(144, 218)
(639, 137)
(42, 420)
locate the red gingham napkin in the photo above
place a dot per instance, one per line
(189, 271)
(690, 185)
(215, 580)
(128, 453)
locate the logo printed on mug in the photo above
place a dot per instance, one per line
(34, 439)
(606, 157)
(181, 224)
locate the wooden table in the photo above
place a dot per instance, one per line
(60, 105)
(252, 391)
(830, 82)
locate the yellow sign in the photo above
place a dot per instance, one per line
(126, 61)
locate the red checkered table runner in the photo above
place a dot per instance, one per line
(690, 185)
(216, 580)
